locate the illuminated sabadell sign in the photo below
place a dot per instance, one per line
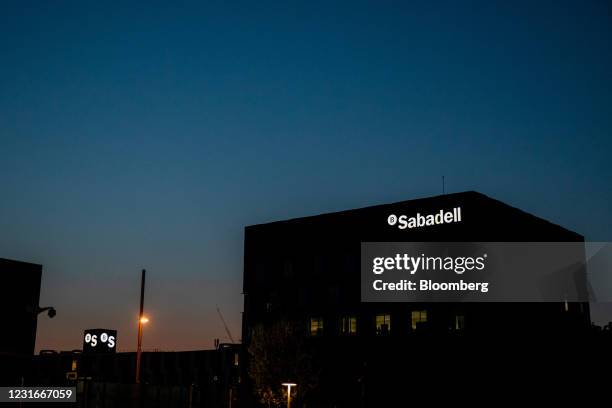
(419, 220)
(99, 341)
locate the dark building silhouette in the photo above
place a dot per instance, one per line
(306, 272)
(19, 298)
(198, 378)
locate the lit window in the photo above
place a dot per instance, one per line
(459, 322)
(316, 326)
(418, 318)
(348, 325)
(383, 324)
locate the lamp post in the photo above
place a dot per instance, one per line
(141, 320)
(289, 385)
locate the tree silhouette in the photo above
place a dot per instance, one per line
(280, 353)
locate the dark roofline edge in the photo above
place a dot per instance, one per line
(20, 262)
(412, 201)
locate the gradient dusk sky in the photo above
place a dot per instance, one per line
(148, 135)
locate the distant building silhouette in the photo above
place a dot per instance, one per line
(197, 378)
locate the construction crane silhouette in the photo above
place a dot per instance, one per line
(227, 330)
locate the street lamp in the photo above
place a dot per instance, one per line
(289, 385)
(141, 320)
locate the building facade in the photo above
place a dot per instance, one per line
(197, 378)
(305, 273)
(19, 298)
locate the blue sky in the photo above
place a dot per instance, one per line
(148, 135)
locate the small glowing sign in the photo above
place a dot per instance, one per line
(99, 341)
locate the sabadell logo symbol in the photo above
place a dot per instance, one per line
(417, 221)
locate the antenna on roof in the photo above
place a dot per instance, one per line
(443, 187)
